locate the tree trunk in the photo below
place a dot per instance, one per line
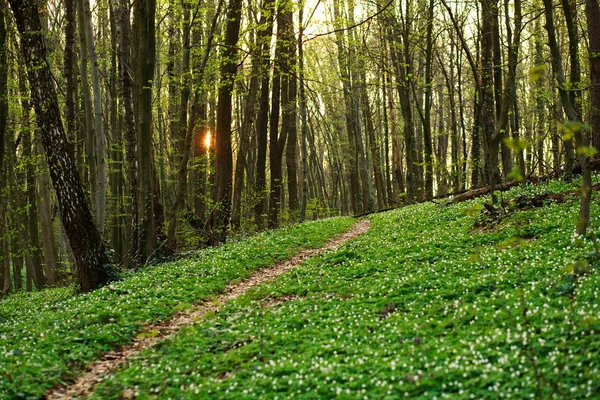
(70, 72)
(427, 139)
(303, 116)
(442, 151)
(189, 132)
(99, 194)
(260, 63)
(276, 141)
(121, 9)
(30, 231)
(262, 122)
(288, 116)
(3, 90)
(592, 11)
(5, 264)
(93, 263)
(223, 152)
(488, 115)
(350, 158)
(45, 213)
(91, 176)
(573, 117)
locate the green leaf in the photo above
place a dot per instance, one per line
(515, 174)
(570, 128)
(587, 150)
(516, 144)
(536, 72)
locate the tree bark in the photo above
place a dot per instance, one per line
(592, 11)
(5, 264)
(260, 63)
(276, 140)
(146, 10)
(262, 123)
(288, 115)
(93, 263)
(45, 213)
(223, 151)
(99, 194)
(126, 87)
(573, 117)
(350, 158)
(90, 175)
(427, 139)
(189, 131)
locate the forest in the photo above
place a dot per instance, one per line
(280, 198)
(135, 131)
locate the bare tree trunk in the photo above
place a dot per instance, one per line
(427, 138)
(189, 131)
(90, 175)
(350, 158)
(93, 264)
(45, 213)
(488, 116)
(303, 116)
(123, 33)
(118, 236)
(573, 116)
(5, 264)
(223, 151)
(288, 116)
(592, 11)
(99, 194)
(145, 13)
(70, 72)
(540, 97)
(262, 123)
(442, 151)
(373, 146)
(31, 214)
(5, 282)
(260, 62)
(275, 149)
(3, 90)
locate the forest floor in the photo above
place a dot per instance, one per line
(84, 384)
(435, 300)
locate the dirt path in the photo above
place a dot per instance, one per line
(96, 371)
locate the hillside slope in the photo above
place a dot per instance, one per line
(435, 301)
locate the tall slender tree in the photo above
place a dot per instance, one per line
(223, 151)
(93, 262)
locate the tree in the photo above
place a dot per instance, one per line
(5, 264)
(573, 124)
(93, 262)
(99, 194)
(592, 11)
(148, 241)
(223, 151)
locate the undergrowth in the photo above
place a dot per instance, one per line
(47, 336)
(424, 305)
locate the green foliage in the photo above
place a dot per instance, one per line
(537, 72)
(421, 306)
(47, 335)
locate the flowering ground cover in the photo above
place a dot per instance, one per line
(46, 337)
(435, 301)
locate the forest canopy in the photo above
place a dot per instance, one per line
(131, 131)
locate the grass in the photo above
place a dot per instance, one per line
(47, 336)
(424, 305)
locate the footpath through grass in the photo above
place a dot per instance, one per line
(48, 335)
(423, 305)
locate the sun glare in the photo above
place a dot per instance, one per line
(207, 140)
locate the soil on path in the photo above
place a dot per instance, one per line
(153, 333)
